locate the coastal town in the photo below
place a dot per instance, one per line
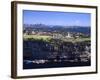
(55, 34)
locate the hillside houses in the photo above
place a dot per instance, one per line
(54, 35)
(62, 36)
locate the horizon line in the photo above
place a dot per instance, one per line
(56, 25)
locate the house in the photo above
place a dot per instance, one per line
(57, 36)
(33, 32)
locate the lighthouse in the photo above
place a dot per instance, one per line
(69, 35)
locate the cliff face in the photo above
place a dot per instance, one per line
(51, 50)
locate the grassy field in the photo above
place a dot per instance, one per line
(38, 37)
(47, 38)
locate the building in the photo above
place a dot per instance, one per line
(57, 36)
(69, 35)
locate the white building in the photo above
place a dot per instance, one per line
(33, 32)
(69, 35)
(57, 36)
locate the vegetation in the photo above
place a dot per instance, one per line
(37, 37)
(49, 38)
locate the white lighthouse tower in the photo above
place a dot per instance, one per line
(69, 35)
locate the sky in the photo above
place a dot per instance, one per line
(56, 18)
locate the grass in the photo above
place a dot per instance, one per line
(48, 38)
(38, 37)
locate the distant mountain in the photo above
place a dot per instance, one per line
(51, 28)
